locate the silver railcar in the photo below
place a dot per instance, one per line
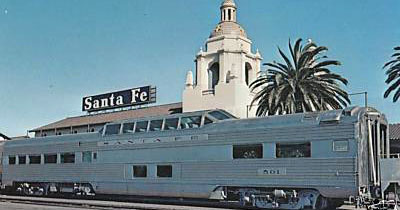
(288, 162)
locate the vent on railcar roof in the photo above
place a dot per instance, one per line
(330, 117)
(350, 111)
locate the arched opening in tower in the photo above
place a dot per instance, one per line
(213, 76)
(247, 73)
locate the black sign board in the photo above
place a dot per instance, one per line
(124, 98)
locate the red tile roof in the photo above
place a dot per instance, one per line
(113, 116)
(394, 131)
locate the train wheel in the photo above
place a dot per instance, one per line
(321, 203)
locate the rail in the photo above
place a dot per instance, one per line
(120, 202)
(391, 156)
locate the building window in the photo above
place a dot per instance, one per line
(128, 128)
(21, 159)
(68, 158)
(164, 171)
(113, 129)
(50, 158)
(140, 171)
(86, 157)
(35, 159)
(190, 122)
(156, 125)
(293, 150)
(141, 126)
(251, 151)
(94, 155)
(171, 124)
(11, 160)
(341, 146)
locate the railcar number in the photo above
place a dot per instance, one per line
(271, 171)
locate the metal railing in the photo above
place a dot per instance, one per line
(391, 156)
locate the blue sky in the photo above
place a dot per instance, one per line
(54, 52)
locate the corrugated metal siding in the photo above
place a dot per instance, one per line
(302, 171)
(65, 172)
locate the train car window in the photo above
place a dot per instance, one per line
(140, 171)
(11, 160)
(164, 171)
(207, 121)
(156, 125)
(21, 159)
(171, 124)
(341, 146)
(67, 158)
(219, 115)
(113, 129)
(128, 128)
(86, 157)
(34, 159)
(141, 126)
(50, 158)
(293, 150)
(251, 151)
(190, 122)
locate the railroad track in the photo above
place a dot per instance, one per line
(124, 202)
(100, 202)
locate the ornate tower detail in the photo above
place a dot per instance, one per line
(228, 11)
(224, 69)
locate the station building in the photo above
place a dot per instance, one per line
(394, 136)
(224, 70)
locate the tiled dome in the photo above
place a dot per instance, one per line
(228, 3)
(228, 28)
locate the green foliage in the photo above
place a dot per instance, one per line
(393, 75)
(302, 83)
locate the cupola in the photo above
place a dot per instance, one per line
(228, 11)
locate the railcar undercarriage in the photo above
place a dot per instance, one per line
(44, 189)
(277, 198)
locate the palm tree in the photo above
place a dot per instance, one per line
(393, 74)
(301, 84)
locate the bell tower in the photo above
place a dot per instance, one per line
(224, 69)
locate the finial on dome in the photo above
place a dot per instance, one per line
(258, 54)
(189, 79)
